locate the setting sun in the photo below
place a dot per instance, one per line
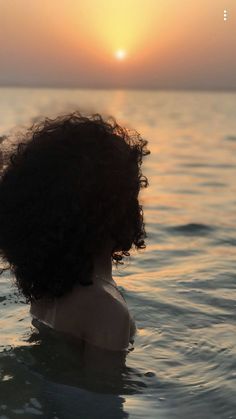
(120, 54)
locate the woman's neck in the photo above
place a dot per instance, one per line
(103, 265)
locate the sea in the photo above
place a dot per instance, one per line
(181, 289)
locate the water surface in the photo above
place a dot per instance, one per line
(181, 290)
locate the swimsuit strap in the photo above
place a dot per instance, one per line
(113, 285)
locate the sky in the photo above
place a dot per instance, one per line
(162, 44)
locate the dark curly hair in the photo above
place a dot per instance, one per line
(70, 184)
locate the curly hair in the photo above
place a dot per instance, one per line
(70, 184)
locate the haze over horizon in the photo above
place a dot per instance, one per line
(159, 44)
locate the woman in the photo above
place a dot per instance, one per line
(69, 209)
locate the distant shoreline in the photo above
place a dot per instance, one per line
(166, 89)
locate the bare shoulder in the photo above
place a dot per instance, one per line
(107, 322)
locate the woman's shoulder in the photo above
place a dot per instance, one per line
(106, 319)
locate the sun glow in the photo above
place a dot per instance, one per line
(120, 54)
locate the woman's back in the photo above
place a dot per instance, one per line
(97, 314)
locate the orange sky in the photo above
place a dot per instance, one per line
(168, 43)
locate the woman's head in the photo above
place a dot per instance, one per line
(70, 187)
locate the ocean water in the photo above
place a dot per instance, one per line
(181, 289)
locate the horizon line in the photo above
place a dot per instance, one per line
(89, 87)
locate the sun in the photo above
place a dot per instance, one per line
(120, 54)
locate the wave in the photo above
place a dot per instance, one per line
(230, 137)
(192, 229)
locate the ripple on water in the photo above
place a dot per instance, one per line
(226, 241)
(213, 184)
(230, 137)
(195, 229)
